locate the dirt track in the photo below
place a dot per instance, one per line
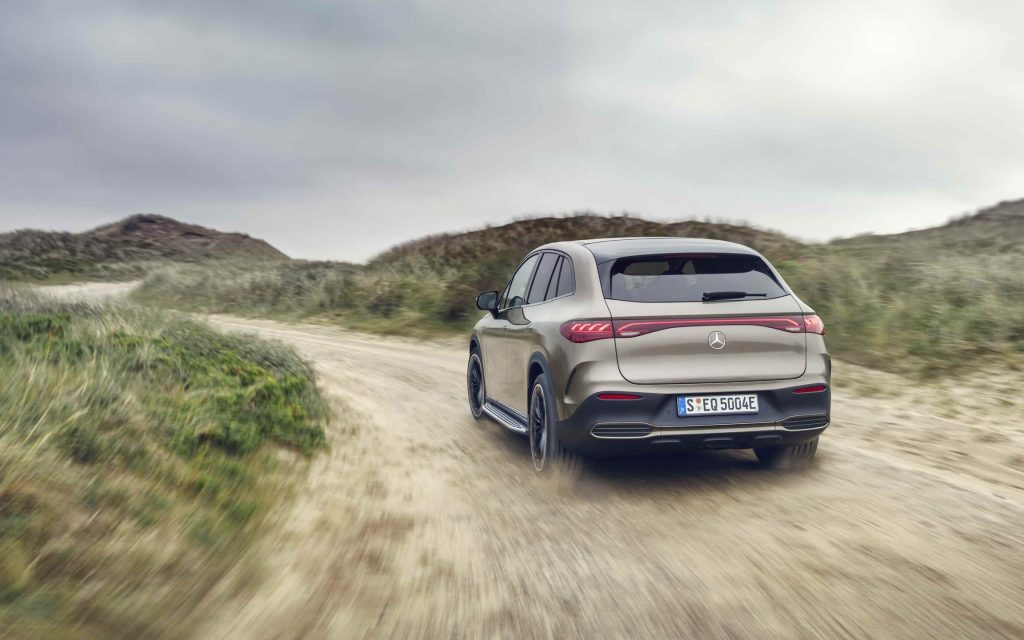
(423, 523)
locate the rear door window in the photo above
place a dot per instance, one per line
(543, 278)
(688, 278)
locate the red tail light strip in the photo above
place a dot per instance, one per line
(633, 328)
(618, 396)
(588, 330)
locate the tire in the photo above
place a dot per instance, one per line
(792, 458)
(475, 384)
(546, 450)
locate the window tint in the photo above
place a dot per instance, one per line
(543, 277)
(682, 278)
(566, 279)
(516, 293)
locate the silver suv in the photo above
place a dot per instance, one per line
(631, 345)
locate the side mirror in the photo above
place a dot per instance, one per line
(488, 301)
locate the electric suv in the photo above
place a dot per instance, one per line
(633, 345)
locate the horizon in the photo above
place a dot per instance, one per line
(485, 226)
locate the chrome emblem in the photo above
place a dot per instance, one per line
(716, 340)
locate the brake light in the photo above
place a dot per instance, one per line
(586, 330)
(813, 324)
(814, 388)
(618, 396)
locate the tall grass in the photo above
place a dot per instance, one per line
(907, 309)
(910, 310)
(137, 455)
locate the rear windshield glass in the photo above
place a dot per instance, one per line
(690, 278)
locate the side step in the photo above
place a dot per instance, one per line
(507, 418)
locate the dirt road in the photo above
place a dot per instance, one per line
(423, 523)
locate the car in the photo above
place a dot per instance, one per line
(635, 345)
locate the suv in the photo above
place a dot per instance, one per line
(631, 345)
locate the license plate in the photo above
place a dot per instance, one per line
(716, 405)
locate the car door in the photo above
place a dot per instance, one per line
(521, 336)
(509, 312)
(491, 333)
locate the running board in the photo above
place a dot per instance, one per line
(505, 417)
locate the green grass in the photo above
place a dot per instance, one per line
(926, 304)
(138, 455)
(912, 311)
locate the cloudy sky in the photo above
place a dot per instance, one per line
(335, 129)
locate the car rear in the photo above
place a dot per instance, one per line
(711, 350)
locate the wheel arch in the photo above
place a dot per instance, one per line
(537, 365)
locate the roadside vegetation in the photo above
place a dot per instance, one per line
(139, 453)
(924, 303)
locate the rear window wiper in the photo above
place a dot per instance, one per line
(729, 295)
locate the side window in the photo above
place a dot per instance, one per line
(542, 279)
(516, 294)
(566, 279)
(553, 285)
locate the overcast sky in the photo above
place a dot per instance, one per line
(336, 129)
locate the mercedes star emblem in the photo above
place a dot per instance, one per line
(717, 340)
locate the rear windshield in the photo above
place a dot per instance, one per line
(687, 278)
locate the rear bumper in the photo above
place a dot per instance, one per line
(610, 427)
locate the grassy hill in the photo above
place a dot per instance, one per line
(123, 249)
(997, 230)
(139, 453)
(922, 301)
(511, 241)
(919, 302)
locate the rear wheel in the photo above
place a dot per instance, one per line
(546, 449)
(790, 458)
(475, 384)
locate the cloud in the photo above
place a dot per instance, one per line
(336, 129)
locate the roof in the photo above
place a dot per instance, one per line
(605, 249)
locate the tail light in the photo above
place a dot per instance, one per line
(618, 396)
(586, 330)
(813, 324)
(589, 330)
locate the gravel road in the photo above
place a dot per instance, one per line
(424, 523)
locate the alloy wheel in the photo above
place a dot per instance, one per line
(538, 428)
(475, 383)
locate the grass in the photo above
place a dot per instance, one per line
(910, 310)
(924, 305)
(138, 455)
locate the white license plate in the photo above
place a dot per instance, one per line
(716, 405)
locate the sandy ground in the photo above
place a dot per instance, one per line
(423, 523)
(89, 291)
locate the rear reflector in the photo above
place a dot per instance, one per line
(618, 396)
(814, 388)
